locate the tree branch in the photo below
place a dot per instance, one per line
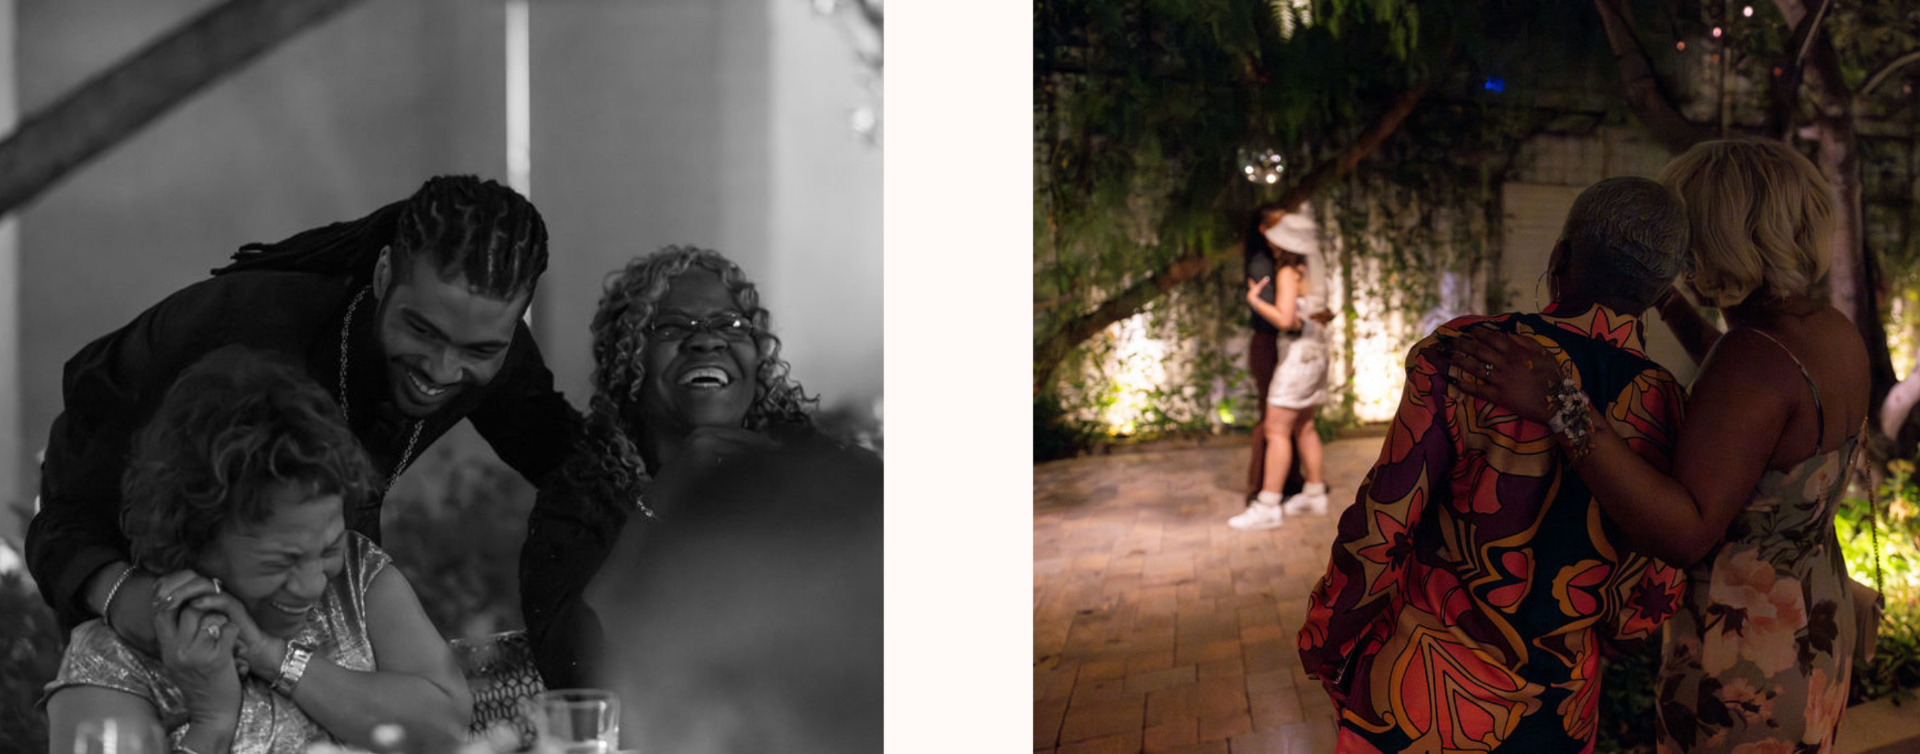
(114, 105)
(1048, 353)
(1886, 70)
(1643, 94)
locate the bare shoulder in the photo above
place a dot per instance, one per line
(1747, 361)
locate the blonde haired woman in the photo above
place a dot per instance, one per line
(1761, 652)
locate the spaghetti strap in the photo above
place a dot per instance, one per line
(1819, 412)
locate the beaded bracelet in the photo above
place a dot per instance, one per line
(106, 609)
(1572, 418)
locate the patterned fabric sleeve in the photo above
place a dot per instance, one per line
(1374, 544)
(1646, 591)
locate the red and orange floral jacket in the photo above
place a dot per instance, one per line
(1475, 582)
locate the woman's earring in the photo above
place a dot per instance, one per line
(1536, 289)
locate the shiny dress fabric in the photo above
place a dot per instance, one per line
(1761, 654)
(269, 723)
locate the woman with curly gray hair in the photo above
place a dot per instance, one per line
(686, 373)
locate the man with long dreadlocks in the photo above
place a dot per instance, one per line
(410, 316)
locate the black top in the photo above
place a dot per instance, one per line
(1261, 266)
(576, 526)
(114, 384)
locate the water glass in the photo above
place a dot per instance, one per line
(118, 735)
(576, 721)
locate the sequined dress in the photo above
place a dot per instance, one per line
(1759, 658)
(269, 723)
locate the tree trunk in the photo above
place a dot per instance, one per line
(1644, 98)
(1852, 279)
(108, 108)
(1048, 353)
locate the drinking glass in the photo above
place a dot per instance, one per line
(118, 735)
(576, 721)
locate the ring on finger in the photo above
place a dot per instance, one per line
(213, 630)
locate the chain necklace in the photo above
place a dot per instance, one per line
(406, 456)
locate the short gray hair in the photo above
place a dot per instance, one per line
(1626, 240)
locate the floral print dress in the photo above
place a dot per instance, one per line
(1761, 656)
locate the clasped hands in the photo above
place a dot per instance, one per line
(208, 642)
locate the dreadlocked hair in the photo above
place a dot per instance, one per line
(480, 229)
(231, 429)
(609, 458)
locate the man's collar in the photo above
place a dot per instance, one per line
(1603, 324)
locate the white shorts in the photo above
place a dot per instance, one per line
(1301, 379)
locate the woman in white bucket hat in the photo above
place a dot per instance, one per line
(1300, 383)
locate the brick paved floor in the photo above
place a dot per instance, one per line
(1155, 626)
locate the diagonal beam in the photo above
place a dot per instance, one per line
(104, 111)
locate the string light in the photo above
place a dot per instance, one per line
(1682, 46)
(1747, 11)
(1716, 32)
(1263, 166)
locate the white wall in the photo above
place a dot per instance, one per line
(823, 282)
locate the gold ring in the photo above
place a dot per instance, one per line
(213, 630)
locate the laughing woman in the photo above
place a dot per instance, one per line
(685, 374)
(277, 626)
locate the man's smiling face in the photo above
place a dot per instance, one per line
(440, 336)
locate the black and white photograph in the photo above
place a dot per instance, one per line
(441, 376)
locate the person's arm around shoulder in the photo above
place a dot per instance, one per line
(1740, 404)
(74, 547)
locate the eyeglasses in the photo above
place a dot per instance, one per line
(680, 327)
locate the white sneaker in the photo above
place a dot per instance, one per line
(1256, 517)
(1314, 503)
